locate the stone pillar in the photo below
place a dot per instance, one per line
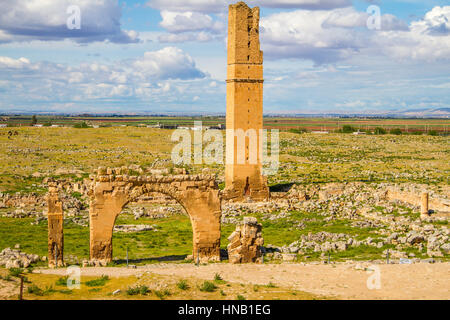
(55, 228)
(204, 210)
(246, 242)
(424, 205)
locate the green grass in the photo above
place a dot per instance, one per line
(182, 285)
(138, 290)
(100, 282)
(208, 286)
(162, 294)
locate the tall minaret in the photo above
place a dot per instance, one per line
(244, 106)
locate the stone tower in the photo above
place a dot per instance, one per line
(243, 175)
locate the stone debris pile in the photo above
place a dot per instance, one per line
(246, 243)
(14, 258)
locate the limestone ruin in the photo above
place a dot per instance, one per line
(113, 189)
(244, 105)
(246, 243)
(55, 228)
(424, 212)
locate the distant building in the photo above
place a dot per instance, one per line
(166, 126)
(358, 133)
(218, 127)
(3, 125)
(38, 125)
(320, 132)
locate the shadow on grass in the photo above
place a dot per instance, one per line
(281, 187)
(172, 258)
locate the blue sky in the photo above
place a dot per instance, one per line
(170, 56)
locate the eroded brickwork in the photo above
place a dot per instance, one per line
(245, 103)
(55, 228)
(113, 189)
(246, 242)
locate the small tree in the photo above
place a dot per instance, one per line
(396, 131)
(33, 120)
(380, 131)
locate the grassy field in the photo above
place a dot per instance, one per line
(305, 158)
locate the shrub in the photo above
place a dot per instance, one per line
(34, 289)
(97, 282)
(62, 281)
(161, 294)
(348, 129)
(299, 131)
(208, 286)
(15, 272)
(239, 297)
(380, 131)
(396, 131)
(182, 285)
(271, 285)
(81, 125)
(139, 290)
(433, 133)
(217, 277)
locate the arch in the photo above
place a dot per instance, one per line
(199, 195)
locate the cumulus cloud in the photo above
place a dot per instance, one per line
(24, 20)
(215, 6)
(304, 4)
(435, 22)
(168, 63)
(427, 39)
(189, 21)
(144, 76)
(322, 36)
(327, 36)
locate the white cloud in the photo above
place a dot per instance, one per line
(189, 21)
(436, 21)
(24, 20)
(168, 63)
(215, 6)
(322, 36)
(9, 63)
(150, 74)
(304, 4)
(327, 36)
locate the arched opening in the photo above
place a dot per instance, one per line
(152, 228)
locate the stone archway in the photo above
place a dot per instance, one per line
(113, 189)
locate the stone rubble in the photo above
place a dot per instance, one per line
(246, 243)
(14, 258)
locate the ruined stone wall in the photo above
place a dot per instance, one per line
(393, 194)
(245, 103)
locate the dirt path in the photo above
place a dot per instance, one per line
(344, 281)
